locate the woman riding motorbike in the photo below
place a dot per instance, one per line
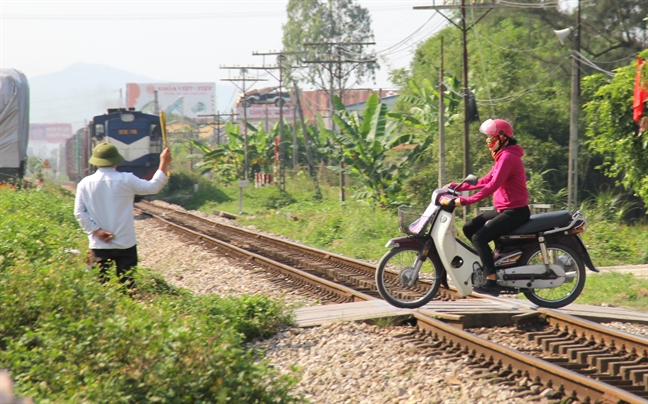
(506, 181)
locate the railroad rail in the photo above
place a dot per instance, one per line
(578, 360)
(354, 274)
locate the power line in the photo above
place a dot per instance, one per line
(513, 97)
(591, 64)
(406, 38)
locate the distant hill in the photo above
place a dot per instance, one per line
(81, 91)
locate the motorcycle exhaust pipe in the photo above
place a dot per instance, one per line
(569, 277)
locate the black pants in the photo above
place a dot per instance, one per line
(491, 225)
(124, 260)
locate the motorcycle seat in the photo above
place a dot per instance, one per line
(544, 221)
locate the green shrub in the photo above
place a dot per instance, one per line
(278, 201)
(251, 316)
(180, 190)
(65, 337)
(181, 181)
(36, 226)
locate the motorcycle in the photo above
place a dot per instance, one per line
(544, 259)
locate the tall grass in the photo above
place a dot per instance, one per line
(352, 228)
(611, 240)
(606, 206)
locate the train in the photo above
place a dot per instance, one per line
(14, 125)
(137, 136)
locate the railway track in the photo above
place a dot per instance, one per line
(574, 360)
(266, 251)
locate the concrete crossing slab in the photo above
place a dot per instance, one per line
(462, 313)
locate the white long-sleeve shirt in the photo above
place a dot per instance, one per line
(104, 200)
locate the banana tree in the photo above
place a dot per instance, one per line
(424, 104)
(373, 152)
(226, 161)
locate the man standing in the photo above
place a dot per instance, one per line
(104, 208)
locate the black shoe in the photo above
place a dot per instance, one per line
(489, 288)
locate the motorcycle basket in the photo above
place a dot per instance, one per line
(407, 216)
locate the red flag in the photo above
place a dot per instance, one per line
(640, 93)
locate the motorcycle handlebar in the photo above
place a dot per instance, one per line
(449, 202)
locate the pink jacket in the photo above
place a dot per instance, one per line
(506, 181)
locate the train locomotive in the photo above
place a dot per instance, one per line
(137, 136)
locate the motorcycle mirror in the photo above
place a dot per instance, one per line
(471, 179)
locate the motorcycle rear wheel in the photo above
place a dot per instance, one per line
(565, 294)
(393, 270)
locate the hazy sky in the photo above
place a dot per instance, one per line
(182, 41)
(185, 41)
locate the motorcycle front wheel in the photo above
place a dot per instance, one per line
(566, 293)
(398, 283)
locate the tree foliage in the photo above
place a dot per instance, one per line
(519, 71)
(326, 22)
(610, 29)
(611, 131)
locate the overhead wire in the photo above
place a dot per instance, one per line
(513, 97)
(407, 38)
(528, 5)
(616, 61)
(515, 49)
(397, 48)
(579, 56)
(389, 29)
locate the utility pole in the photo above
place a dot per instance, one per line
(572, 172)
(243, 71)
(334, 66)
(281, 58)
(156, 105)
(464, 31)
(217, 120)
(309, 154)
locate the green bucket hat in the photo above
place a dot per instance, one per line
(105, 154)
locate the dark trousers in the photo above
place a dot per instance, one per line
(123, 259)
(487, 227)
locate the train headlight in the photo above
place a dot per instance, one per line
(127, 117)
